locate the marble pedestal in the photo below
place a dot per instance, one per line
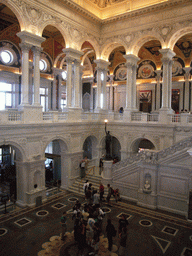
(107, 172)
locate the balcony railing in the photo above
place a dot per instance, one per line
(15, 116)
(152, 117)
(175, 118)
(136, 116)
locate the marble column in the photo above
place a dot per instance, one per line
(36, 78)
(131, 94)
(69, 61)
(158, 91)
(187, 76)
(54, 107)
(167, 56)
(77, 91)
(73, 77)
(81, 86)
(56, 92)
(104, 89)
(111, 99)
(131, 89)
(102, 67)
(29, 41)
(25, 74)
(59, 91)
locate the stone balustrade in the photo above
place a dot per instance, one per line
(16, 116)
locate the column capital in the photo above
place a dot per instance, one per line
(72, 53)
(102, 64)
(77, 62)
(37, 50)
(57, 71)
(25, 47)
(69, 60)
(30, 38)
(111, 78)
(187, 72)
(167, 54)
(158, 73)
(131, 59)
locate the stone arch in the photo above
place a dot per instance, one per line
(110, 46)
(90, 147)
(134, 145)
(92, 42)
(61, 165)
(18, 13)
(21, 156)
(14, 170)
(177, 35)
(64, 144)
(55, 64)
(137, 44)
(56, 25)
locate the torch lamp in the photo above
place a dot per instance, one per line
(106, 121)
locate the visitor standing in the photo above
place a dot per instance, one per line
(123, 242)
(111, 232)
(85, 186)
(123, 222)
(101, 191)
(109, 193)
(101, 165)
(63, 225)
(96, 199)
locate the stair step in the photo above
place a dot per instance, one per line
(77, 186)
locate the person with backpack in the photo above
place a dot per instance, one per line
(111, 232)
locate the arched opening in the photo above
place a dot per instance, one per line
(10, 61)
(116, 98)
(88, 70)
(52, 98)
(181, 94)
(9, 155)
(54, 168)
(89, 147)
(147, 90)
(142, 144)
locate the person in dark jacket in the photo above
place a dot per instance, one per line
(123, 241)
(111, 232)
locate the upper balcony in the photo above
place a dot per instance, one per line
(15, 116)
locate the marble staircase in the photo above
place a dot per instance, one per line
(77, 187)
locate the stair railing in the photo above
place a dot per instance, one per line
(92, 168)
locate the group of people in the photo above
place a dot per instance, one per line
(88, 228)
(96, 197)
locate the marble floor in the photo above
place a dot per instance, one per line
(150, 233)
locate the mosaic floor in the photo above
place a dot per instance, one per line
(150, 233)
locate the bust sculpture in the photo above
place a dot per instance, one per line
(147, 187)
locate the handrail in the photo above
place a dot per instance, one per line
(91, 168)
